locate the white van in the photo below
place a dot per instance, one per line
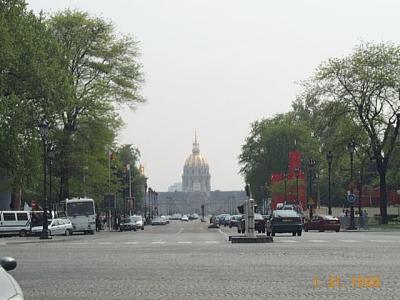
(14, 222)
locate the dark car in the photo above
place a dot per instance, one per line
(259, 224)
(234, 220)
(127, 224)
(284, 221)
(322, 223)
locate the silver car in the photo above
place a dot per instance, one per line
(9, 287)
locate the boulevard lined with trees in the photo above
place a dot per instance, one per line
(75, 71)
(353, 98)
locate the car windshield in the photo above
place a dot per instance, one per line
(137, 218)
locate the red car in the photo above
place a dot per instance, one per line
(322, 223)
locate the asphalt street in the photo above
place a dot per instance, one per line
(189, 261)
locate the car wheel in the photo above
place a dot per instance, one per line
(321, 230)
(298, 233)
(22, 233)
(337, 230)
(230, 226)
(143, 228)
(293, 233)
(273, 233)
(306, 230)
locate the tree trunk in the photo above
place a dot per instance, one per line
(383, 195)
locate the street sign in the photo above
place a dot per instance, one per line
(351, 198)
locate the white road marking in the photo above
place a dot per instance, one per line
(223, 233)
(212, 242)
(184, 242)
(3, 243)
(318, 241)
(349, 241)
(131, 243)
(105, 243)
(381, 241)
(79, 243)
(287, 241)
(158, 242)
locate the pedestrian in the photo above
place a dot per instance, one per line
(98, 223)
(365, 218)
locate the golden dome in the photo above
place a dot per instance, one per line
(195, 159)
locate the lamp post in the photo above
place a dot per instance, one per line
(51, 156)
(44, 130)
(296, 173)
(285, 176)
(351, 147)
(329, 158)
(145, 190)
(149, 192)
(310, 165)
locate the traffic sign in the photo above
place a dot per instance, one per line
(351, 198)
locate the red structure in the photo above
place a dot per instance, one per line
(294, 180)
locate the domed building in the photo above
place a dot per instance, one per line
(196, 176)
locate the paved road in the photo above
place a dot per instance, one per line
(188, 260)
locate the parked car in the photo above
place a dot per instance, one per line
(185, 218)
(221, 219)
(139, 221)
(164, 220)
(158, 221)
(259, 224)
(322, 223)
(234, 220)
(284, 221)
(55, 227)
(127, 224)
(10, 288)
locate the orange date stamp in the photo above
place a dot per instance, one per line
(354, 281)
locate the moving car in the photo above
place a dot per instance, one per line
(127, 224)
(139, 221)
(259, 224)
(9, 287)
(234, 220)
(284, 221)
(322, 223)
(55, 227)
(185, 218)
(158, 221)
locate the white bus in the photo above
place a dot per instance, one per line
(81, 212)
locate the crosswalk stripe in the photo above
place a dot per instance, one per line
(158, 242)
(105, 243)
(287, 241)
(318, 241)
(131, 243)
(184, 242)
(349, 241)
(381, 241)
(212, 242)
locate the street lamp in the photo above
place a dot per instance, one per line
(351, 147)
(310, 165)
(145, 190)
(285, 176)
(44, 130)
(51, 155)
(329, 158)
(296, 173)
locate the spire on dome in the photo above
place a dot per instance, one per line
(196, 149)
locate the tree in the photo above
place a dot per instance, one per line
(267, 147)
(31, 77)
(367, 84)
(103, 72)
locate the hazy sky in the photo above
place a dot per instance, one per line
(219, 65)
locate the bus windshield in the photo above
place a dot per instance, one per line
(80, 208)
